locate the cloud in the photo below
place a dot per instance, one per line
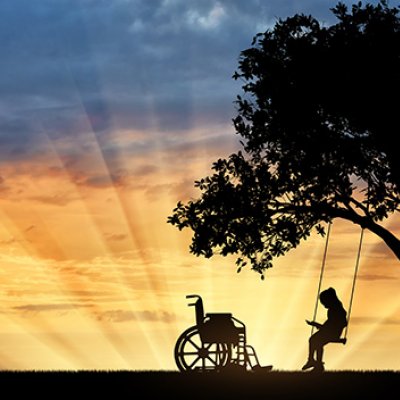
(83, 295)
(380, 250)
(35, 308)
(78, 73)
(14, 240)
(146, 169)
(126, 316)
(3, 186)
(9, 241)
(117, 237)
(30, 228)
(376, 277)
(57, 199)
(89, 293)
(212, 19)
(151, 65)
(374, 320)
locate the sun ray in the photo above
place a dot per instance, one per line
(126, 220)
(64, 286)
(61, 348)
(98, 230)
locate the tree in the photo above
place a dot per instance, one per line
(318, 120)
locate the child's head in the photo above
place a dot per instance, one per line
(328, 297)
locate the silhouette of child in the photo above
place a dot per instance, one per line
(329, 331)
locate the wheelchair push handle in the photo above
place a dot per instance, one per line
(198, 305)
(193, 296)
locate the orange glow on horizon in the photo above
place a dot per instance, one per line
(94, 278)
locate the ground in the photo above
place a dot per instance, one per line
(175, 385)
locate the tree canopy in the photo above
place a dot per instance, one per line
(319, 124)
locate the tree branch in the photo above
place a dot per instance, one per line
(368, 223)
(360, 205)
(349, 214)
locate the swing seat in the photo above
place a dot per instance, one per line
(339, 340)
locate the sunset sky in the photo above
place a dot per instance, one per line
(109, 110)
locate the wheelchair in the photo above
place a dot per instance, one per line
(217, 342)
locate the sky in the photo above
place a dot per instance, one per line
(109, 111)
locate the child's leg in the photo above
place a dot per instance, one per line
(312, 348)
(321, 340)
(317, 343)
(320, 353)
(316, 347)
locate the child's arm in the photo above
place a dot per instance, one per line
(313, 323)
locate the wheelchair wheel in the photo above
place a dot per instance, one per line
(191, 354)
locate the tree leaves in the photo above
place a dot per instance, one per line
(316, 119)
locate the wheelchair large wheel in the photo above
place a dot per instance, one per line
(191, 354)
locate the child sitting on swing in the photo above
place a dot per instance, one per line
(329, 331)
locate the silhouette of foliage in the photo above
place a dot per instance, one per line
(318, 120)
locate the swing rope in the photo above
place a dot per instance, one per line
(321, 274)
(353, 284)
(354, 281)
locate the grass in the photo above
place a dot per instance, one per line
(174, 385)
